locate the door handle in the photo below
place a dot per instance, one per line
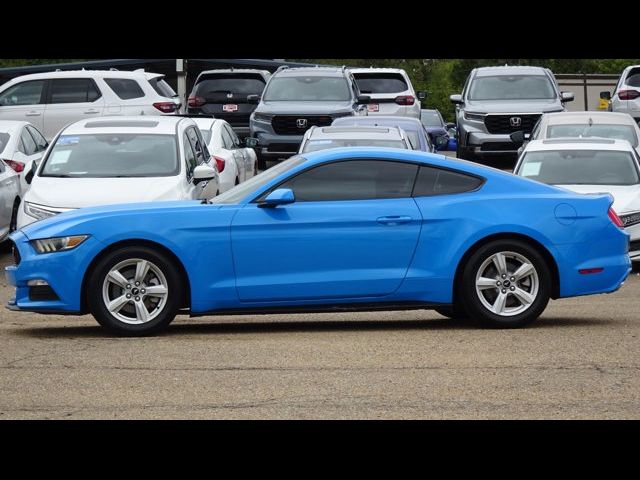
(92, 110)
(394, 220)
(33, 113)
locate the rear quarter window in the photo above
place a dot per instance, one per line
(125, 89)
(436, 181)
(633, 78)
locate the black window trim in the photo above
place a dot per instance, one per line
(49, 85)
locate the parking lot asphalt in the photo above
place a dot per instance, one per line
(580, 360)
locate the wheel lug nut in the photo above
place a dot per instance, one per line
(143, 291)
(137, 299)
(513, 279)
(498, 283)
(137, 284)
(128, 295)
(504, 290)
(128, 285)
(504, 276)
(513, 289)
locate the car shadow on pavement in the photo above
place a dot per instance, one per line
(226, 327)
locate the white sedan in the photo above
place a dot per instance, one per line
(21, 144)
(236, 163)
(590, 165)
(112, 160)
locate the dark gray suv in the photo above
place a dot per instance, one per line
(498, 101)
(296, 99)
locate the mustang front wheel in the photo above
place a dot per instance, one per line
(134, 291)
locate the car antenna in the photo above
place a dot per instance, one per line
(590, 121)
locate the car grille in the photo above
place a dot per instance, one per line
(288, 124)
(235, 120)
(634, 246)
(502, 123)
(498, 146)
(631, 219)
(15, 253)
(283, 147)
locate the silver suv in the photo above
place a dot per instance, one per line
(498, 101)
(296, 99)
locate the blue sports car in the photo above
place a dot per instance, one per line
(350, 228)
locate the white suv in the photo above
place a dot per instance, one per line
(390, 90)
(626, 97)
(52, 100)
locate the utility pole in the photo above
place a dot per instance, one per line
(181, 75)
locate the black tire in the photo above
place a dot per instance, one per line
(262, 162)
(454, 312)
(13, 224)
(478, 310)
(173, 301)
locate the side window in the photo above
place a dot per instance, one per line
(354, 180)
(74, 90)
(29, 145)
(25, 93)
(41, 143)
(189, 155)
(226, 139)
(435, 181)
(124, 88)
(198, 146)
(235, 141)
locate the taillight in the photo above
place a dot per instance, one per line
(165, 107)
(17, 166)
(613, 216)
(405, 100)
(220, 162)
(628, 94)
(194, 101)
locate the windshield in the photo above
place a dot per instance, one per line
(308, 89)
(431, 119)
(237, 193)
(112, 155)
(512, 87)
(622, 132)
(580, 167)
(4, 139)
(315, 145)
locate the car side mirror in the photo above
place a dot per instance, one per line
(450, 125)
(457, 99)
(253, 98)
(421, 95)
(517, 137)
(605, 95)
(251, 142)
(280, 196)
(364, 99)
(441, 142)
(31, 173)
(567, 96)
(203, 173)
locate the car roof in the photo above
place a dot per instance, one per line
(355, 132)
(591, 143)
(138, 74)
(377, 69)
(311, 71)
(509, 70)
(562, 118)
(11, 125)
(205, 122)
(236, 70)
(381, 120)
(151, 124)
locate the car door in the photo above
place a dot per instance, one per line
(8, 191)
(240, 156)
(350, 234)
(70, 100)
(24, 101)
(229, 146)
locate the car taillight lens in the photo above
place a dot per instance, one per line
(613, 216)
(628, 94)
(166, 107)
(17, 166)
(194, 101)
(405, 100)
(220, 162)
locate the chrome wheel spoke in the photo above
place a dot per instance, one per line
(142, 267)
(116, 277)
(484, 283)
(156, 290)
(523, 271)
(142, 314)
(116, 304)
(500, 303)
(500, 262)
(525, 297)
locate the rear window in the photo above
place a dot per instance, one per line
(218, 87)
(633, 79)
(380, 83)
(125, 89)
(162, 88)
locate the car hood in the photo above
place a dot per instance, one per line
(627, 197)
(304, 108)
(86, 192)
(513, 106)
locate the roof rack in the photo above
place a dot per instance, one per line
(282, 67)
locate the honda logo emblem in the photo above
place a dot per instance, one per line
(515, 121)
(229, 95)
(301, 122)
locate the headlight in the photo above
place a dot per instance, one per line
(57, 244)
(38, 211)
(261, 117)
(474, 116)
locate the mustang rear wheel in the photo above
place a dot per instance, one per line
(506, 284)
(134, 291)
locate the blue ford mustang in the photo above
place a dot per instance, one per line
(356, 228)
